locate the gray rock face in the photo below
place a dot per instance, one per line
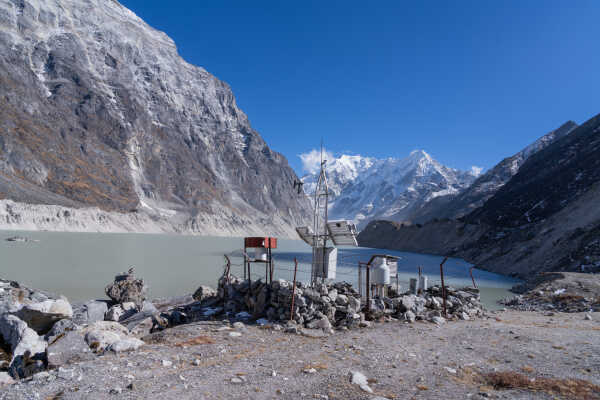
(98, 109)
(69, 348)
(27, 348)
(42, 316)
(203, 293)
(59, 329)
(90, 312)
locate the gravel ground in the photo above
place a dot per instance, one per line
(400, 360)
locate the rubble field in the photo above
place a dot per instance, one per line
(244, 340)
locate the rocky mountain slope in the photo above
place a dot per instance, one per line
(486, 185)
(366, 188)
(98, 111)
(545, 218)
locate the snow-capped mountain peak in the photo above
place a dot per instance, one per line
(365, 188)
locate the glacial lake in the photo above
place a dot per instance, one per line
(80, 265)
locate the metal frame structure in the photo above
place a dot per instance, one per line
(267, 243)
(341, 232)
(320, 224)
(367, 266)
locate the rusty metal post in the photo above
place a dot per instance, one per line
(245, 263)
(473, 279)
(227, 269)
(368, 311)
(294, 289)
(443, 286)
(360, 292)
(271, 264)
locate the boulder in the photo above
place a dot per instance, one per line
(69, 348)
(148, 307)
(90, 312)
(99, 340)
(101, 335)
(120, 312)
(126, 288)
(27, 348)
(125, 344)
(322, 323)
(6, 379)
(140, 327)
(333, 293)
(41, 316)
(341, 299)
(59, 329)
(114, 313)
(203, 293)
(407, 303)
(353, 303)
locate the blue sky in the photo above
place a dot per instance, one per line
(470, 82)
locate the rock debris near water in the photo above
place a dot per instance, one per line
(324, 307)
(45, 331)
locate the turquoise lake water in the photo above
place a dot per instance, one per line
(80, 265)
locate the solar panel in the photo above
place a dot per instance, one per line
(342, 233)
(306, 234)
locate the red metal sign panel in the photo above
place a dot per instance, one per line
(266, 242)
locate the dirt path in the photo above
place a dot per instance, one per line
(401, 361)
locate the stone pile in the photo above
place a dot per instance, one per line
(39, 330)
(557, 301)
(324, 306)
(127, 289)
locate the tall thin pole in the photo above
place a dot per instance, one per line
(443, 286)
(294, 289)
(473, 279)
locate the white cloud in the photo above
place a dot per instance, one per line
(311, 161)
(476, 171)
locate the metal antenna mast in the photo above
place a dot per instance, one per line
(320, 223)
(340, 232)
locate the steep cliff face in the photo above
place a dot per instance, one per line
(97, 109)
(548, 181)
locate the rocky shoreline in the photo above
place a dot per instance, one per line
(219, 338)
(21, 216)
(40, 331)
(568, 292)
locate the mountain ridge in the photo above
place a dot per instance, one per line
(545, 218)
(366, 188)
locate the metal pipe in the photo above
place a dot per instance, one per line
(473, 279)
(294, 289)
(443, 286)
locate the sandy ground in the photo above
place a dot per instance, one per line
(401, 361)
